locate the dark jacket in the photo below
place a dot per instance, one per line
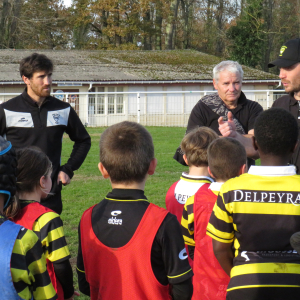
(289, 103)
(25, 124)
(201, 115)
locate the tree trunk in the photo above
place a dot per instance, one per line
(208, 27)
(13, 28)
(242, 7)
(158, 25)
(117, 24)
(219, 17)
(147, 31)
(170, 28)
(185, 13)
(268, 12)
(4, 28)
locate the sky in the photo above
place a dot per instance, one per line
(67, 2)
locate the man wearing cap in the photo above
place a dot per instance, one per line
(288, 62)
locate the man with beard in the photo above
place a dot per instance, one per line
(288, 62)
(34, 118)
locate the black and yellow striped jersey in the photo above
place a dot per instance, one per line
(258, 212)
(187, 220)
(28, 267)
(49, 229)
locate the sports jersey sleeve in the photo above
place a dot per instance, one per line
(64, 274)
(187, 222)
(49, 229)
(220, 226)
(28, 268)
(172, 250)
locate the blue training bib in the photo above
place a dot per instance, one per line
(8, 234)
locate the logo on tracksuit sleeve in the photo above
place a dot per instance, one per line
(183, 254)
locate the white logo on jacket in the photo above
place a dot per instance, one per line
(113, 220)
(58, 117)
(18, 119)
(23, 120)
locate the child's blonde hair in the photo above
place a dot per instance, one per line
(195, 144)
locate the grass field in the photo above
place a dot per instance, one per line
(88, 187)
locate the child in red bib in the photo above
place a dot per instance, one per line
(130, 248)
(194, 146)
(34, 183)
(226, 159)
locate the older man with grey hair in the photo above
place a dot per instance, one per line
(228, 112)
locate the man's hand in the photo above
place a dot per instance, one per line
(63, 177)
(227, 128)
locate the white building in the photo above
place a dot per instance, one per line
(157, 76)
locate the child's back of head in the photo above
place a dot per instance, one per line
(33, 164)
(126, 151)
(195, 144)
(226, 157)
(276, 132)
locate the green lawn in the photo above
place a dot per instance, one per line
(88, 187)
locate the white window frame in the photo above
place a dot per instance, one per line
(109, 102)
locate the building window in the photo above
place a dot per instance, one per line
(120, 101)
(100, 101)
(115, 102)
(111, 101)
(92, 102)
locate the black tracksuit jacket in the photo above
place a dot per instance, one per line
(24, 123)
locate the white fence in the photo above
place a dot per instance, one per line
(162, 108)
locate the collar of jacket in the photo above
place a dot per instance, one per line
(30, 101)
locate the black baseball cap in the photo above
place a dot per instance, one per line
(288, 56)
